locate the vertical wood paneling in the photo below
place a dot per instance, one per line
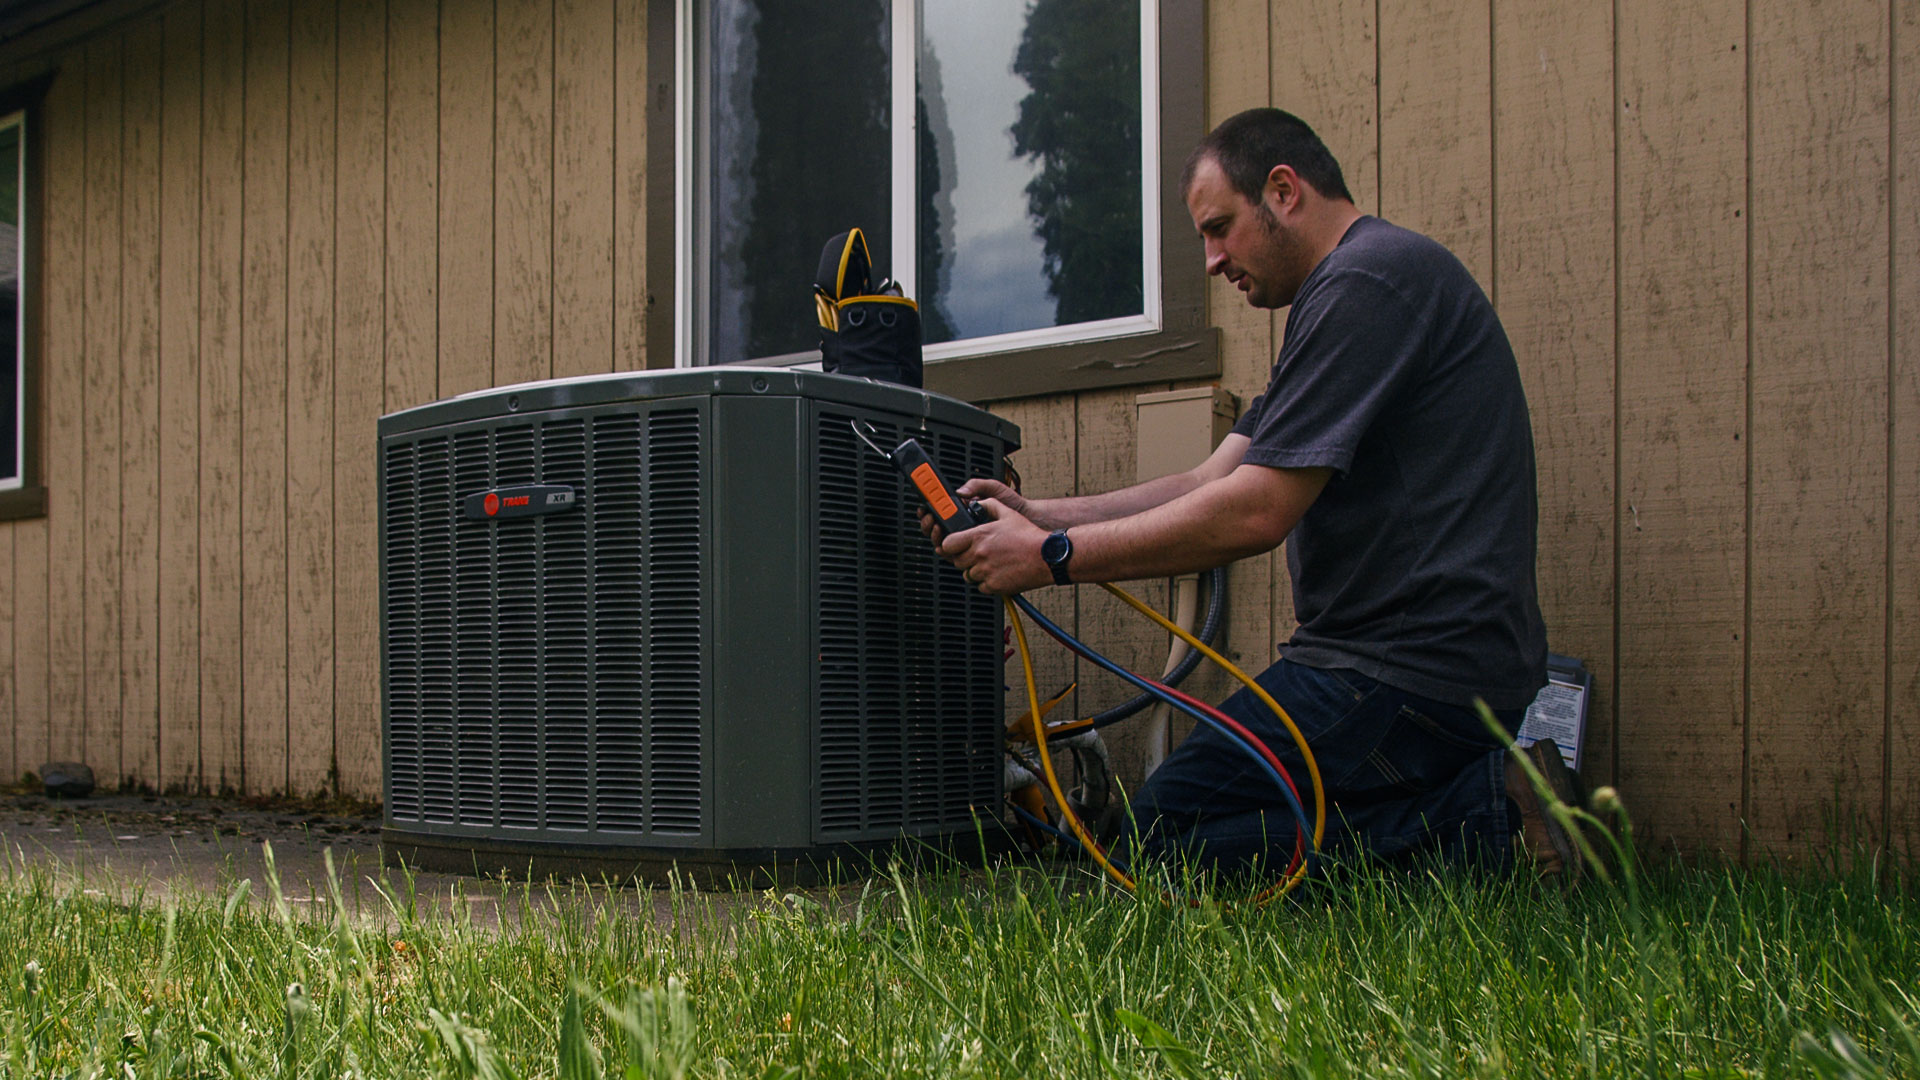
(179, 621)
(140, 415)
(1903, 583)
(1555, 219)
(583, 183)
(359, 340)
(467, 166)
(29, 602)
(1247, 636)
(1047, 464)
(1326, 74)
(64, 395)
(1106, 461)
(222, 103)
(1819, 398)
(9, 716)
(263, 401)
(631, 299)
(1436, 153)
(311, 516)
(523, 167)
(100, 424)
(1241, 77)
(1682, 337)
(412, 205)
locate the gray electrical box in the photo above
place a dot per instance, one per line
(1176, 430)
(679, 618)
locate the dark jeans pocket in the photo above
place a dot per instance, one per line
(1415, 753)
(1323, 699)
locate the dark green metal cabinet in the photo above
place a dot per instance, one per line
(726, 646)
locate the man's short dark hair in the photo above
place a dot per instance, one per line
(1248, 145)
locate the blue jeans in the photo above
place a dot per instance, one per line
(1403, 774)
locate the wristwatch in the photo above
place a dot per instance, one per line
(1055, 551)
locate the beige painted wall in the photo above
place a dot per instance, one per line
(270, 222)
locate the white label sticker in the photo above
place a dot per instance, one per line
(1558, 713)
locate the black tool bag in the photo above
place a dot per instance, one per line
(863, 330)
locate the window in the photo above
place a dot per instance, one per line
(1026, 203)
(12, 374)
(20, 493)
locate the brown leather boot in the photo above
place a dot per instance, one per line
(1554, 856)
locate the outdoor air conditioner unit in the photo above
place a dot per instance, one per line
(680, 618)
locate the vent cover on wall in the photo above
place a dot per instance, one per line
(678, 618)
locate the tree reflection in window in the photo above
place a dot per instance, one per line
(1030, 150)
(10, 291)
(1081, 123)
(1026, 194)
(799, 121)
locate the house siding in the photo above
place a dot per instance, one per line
(1698, 226)
(267, 223)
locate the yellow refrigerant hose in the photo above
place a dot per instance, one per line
(1079, 830)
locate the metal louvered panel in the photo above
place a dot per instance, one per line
(676, 685)
(517, 616)
(863, 742)
(547, 674)
(619, 623)
(942, 597)
(474, 753)
(566, 673)
(899, 632)
(435, 568)
(840, 691)
(923, 626)
(976, 771)
(402, 630)
(969, 750)
(885, 672)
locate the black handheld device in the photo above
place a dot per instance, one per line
(912, 461)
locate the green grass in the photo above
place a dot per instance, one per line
(1020, 971)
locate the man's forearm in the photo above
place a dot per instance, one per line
(1215, 524)
(1126, 502)
(1109, 505)
(1248, 511)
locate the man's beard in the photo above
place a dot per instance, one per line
(1289, 255)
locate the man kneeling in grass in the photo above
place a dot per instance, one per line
(1392, 447)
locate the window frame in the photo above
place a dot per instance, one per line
(29, 499)
(1184, 347)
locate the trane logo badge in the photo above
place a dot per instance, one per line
(525, 501)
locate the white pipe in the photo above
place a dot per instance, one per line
(1186, 606)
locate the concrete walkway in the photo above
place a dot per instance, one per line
(154, 848)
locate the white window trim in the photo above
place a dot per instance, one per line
(19, 479)
(689, 337)
(683, 233)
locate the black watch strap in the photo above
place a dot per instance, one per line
(1057, 551)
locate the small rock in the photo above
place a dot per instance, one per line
(68, 779)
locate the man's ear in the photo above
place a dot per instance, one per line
(1283, 188)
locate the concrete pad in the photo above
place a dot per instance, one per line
(146, 848)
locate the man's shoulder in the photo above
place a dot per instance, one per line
(1380, 263)
(1381, 248)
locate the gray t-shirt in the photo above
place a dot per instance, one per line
(1415, 566)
